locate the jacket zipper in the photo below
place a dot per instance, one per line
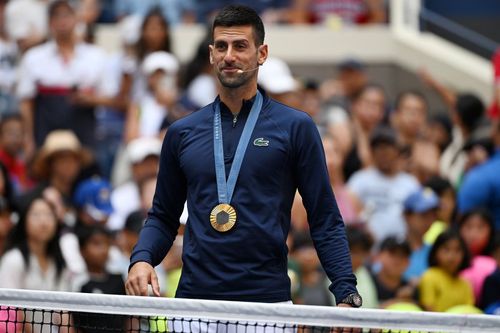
(235, 119)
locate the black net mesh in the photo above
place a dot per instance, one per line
(15, 320)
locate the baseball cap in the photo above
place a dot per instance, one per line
(94, 196)
(275, 77)
(421, 201)
(140, 148)
(160, 60)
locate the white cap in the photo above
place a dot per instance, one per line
(130, 29)
(140, 148)
(275, 77)
(160, 60)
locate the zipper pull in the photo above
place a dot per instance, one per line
(235, 119)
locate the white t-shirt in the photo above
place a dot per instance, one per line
(43, 66)
(382, 198)
(151, 115)
(14, 274)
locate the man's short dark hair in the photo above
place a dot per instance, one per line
(239, 15)
(56, 5)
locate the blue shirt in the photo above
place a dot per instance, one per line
(419, 262)
(249, 262)
(481, 188)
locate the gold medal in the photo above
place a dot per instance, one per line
(223, 217)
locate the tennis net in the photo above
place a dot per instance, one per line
(40, 311)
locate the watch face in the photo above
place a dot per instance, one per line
(356, 300)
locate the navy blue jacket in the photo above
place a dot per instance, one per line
(249, 262)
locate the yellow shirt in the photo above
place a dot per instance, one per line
(440, 291)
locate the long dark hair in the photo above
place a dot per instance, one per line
(443, 238)
(18, 237)
(486, 216)
(141, 46)
(196, 66)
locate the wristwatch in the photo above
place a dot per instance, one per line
(353, 300)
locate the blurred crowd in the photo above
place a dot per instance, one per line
(81, 134)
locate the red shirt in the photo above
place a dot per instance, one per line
(494, 111)
(17, 171)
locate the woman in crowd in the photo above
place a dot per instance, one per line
(33, 259)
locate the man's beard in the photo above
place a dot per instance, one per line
(232, 82)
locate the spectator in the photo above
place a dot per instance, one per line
(481, 185)
(441, 287)
(12, 152)
(146, 115)
(198, 80)
(143, 154)
(439, 131)
(490, 295)
(392, 259)
(360, 245)
(467, 117)
(33, 259)
(367, 112)
(8, 60)
(63, 92)
(95, 242)
(57, 166)
(26, 22)
(175, 11)
(350, 12)
(382, 189)
(313, 284)
(420, 212)
(351, 79)
(154, 36)
(275, 77)
(347, 202)
(477, 229)
(447, 207)
(92, 202)
(409, 117)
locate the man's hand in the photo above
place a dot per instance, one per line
(140, 276)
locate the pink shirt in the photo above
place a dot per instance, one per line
(481, 267)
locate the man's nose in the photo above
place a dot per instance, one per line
(229, 56)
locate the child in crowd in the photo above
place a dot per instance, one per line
(447, 207)
(490, 296)
(477, 229)
(313, 285)
(391, 262)
(420, 211)
(360, 244)
(441, 287)
(95, 242)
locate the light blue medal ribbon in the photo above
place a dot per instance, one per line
(225, 189)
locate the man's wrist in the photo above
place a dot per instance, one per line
(353, 299)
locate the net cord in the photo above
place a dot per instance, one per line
(249, 312)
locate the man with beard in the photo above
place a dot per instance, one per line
(234, 242)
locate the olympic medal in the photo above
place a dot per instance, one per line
(223, 217)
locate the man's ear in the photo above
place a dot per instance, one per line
(263, 52)
(210, 51)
